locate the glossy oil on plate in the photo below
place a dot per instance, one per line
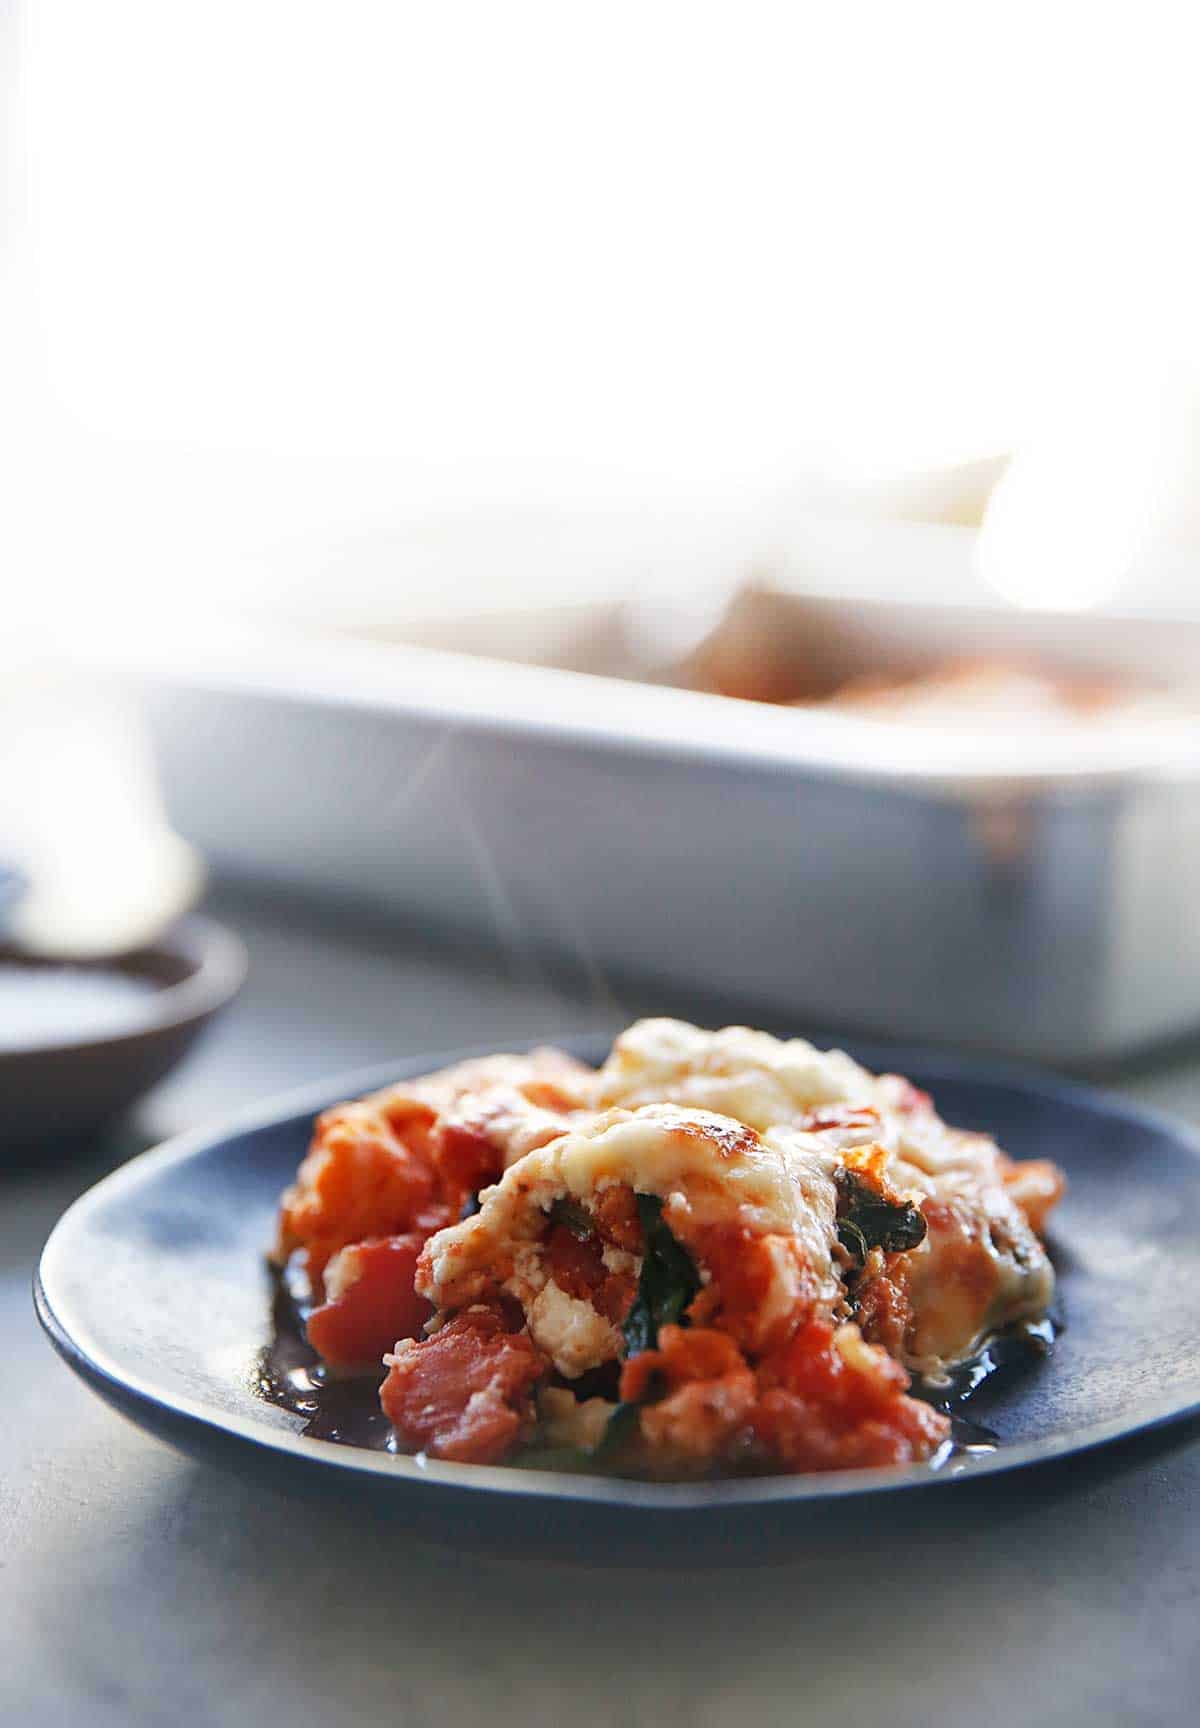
(155, 1290)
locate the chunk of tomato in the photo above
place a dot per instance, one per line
(463, 1394)
(375, 1304)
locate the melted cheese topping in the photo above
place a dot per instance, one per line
(706, 1168)
(981, 1265)
(510, 1122)
(768, 1081)
(738, 1072)
(544, 1076)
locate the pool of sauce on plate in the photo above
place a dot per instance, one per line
(1006, 1355)
(289, 1374)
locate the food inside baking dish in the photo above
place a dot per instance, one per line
(718, 1252)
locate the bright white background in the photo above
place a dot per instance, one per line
(289, 288)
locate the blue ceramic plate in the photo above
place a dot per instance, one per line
(154, 1290)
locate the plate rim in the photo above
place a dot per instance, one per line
(131, 1392)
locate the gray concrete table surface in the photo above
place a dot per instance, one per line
(138, 1587)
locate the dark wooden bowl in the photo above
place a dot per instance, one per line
(54, 1093)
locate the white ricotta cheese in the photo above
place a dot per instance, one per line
(570, 1331)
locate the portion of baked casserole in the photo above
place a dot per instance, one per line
(719, 1251)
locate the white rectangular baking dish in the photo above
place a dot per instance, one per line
(1023, 896)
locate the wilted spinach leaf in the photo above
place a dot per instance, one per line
(867, 1219)
(622, 1426)
(573, 1217)
(668, 1282)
